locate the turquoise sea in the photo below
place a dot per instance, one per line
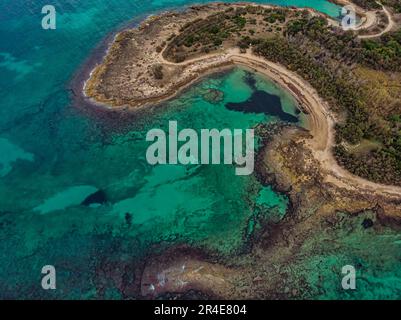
(76, 191)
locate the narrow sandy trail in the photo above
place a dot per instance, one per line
(389, 27)
(370, 19)
(322, 123)
(321, 119)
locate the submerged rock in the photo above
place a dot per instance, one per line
(128, 219)
(99, 197)
(213, 96)
(367, 223)
(250, 80)
(263, 102)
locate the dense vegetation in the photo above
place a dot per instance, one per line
(368, 141)
(374, 5)
(383, 54)
(326, 59)
(367, 4)
(206, 35)
(396, 4)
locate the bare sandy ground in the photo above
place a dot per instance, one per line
(321, 120)
(321, 125)
(388, 28)
(368, 19)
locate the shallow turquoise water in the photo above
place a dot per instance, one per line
(53, 155)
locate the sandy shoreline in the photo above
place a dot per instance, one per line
(199, 71)
(321, 126)
(321, 120)
(204, 70)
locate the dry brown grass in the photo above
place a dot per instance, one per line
(383, 90)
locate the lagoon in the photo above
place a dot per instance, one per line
(55, 153)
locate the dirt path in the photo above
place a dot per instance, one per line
(322, 123)
(389, 27)
(369, 19)
(321, 120)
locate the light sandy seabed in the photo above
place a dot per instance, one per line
(321, 120)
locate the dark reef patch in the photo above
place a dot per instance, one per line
(367, 223)
(263, 102)
(250, 80)
(99, 197)
(213, 96)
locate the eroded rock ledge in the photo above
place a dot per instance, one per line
(320, 220)
(327, 203)
(166, 53)
(143, 66)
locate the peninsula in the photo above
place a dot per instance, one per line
(304, 51)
